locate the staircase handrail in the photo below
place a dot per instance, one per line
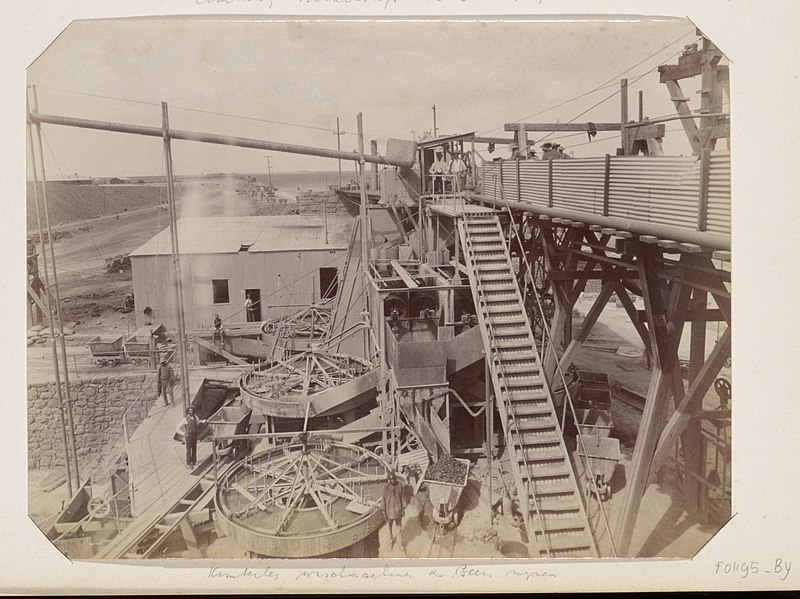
(551, 348)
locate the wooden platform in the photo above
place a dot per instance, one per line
(157, 462)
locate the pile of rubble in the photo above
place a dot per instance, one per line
(40, 334)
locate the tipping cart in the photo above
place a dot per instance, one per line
(445, 495)
(137, 350)
(230, 420)
(603, 455)
(594, 421)
(106, 352)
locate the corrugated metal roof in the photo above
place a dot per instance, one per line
(228, 234)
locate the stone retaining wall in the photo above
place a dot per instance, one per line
(98, 407)
(311, 202)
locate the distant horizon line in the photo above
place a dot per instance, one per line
(178, 177)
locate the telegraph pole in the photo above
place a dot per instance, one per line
(435, 134)
(269, 170)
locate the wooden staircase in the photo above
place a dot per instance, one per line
(550, 498)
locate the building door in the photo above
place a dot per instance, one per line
(254, 314)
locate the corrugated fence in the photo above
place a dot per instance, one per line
(663, 190)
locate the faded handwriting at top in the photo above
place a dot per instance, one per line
(230, 1)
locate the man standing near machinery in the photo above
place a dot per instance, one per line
(249, 309)
(459, 170)
(166, 379)
(393, 505)
(437, 171)
(192, 425)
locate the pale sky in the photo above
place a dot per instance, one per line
(479, 75)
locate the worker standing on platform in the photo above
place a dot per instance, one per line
(549, 152)
(218, 332)
(459, 171)
(190, 436)
(249, 309)
(437, 171)
(166, 379)
(393, 504)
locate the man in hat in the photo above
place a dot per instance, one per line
(459, 170)
(437, 171)
(166, 379)
(549, 153)
(218, 332)
(249, 309)
(190, 436)
(393, 504)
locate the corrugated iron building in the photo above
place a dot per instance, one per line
(284, 262)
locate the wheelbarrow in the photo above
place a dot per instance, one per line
(603, 455)
(444, 496)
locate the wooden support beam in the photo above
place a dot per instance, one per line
(37, 299)
(404, 274)
(641, 329)
(691, 438)
(682, 108)
(698, 388)
(644, 131)
(221, 351)
(592, 315)
(587, 273)
(656, 401)
(722, 255)
(690, 248)
(563, 126)
(500, 141)
(670, 73)
(692, 315)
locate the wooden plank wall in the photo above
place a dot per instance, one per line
(284, 278)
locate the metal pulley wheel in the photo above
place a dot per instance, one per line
(723, 388)
(98, 507)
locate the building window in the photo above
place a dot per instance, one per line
(220, 290)
(328, 282)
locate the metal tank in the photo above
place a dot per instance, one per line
(311, 497)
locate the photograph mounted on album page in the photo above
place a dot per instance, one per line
(306, 291)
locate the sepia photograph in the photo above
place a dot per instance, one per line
(398, 297)
(379, 289)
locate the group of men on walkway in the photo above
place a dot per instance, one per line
(452, 175)
(166, 381)
(550, 151)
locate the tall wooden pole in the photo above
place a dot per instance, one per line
(176, 261)
(373, 148)
(623, 104)
(59, 396)
(435, 131)
(339, 148)
(58, 315)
